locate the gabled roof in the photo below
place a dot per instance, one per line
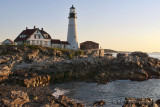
(8, 40)
(89, 42)
(43, 32)
(28, 33)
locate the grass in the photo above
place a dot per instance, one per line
(70, 53)
(33, 47)
(4, 53)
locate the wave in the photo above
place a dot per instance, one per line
(57, 92)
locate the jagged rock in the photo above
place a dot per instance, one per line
(65, 101)
(3, 78)
(4, 70)
(139, 54)
(121, 55)
(99, 103)
(37, 81)
(143, 102)
(16, 99)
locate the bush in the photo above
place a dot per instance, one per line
(4, 53)
(70, 55)
(25, 44)
(34, 46)
(78, 52)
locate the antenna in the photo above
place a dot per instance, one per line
(72, 2)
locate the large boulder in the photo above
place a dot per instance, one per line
(99, 103)
(140, 54)
(66, 102)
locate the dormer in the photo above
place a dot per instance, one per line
(22, 36)
(45, 35)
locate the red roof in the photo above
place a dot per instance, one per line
(89, 42)
(65, 42)
(28, 33)
(10, 40)
(55, 41)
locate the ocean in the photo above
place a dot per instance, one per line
(154, 55)
(113, 93)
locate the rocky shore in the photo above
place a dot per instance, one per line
(143, 102)
(42, 97)
(31, 69)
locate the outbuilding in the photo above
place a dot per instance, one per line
(89, 45)
(8, 42)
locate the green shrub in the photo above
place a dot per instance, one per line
(4, 53)
(78, 52)
(25, 44)
(34, 46)
(70, 55)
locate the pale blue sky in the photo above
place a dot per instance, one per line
(125, 25)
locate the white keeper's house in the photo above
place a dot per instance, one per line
(40, 37)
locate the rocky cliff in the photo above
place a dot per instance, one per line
(33, 66)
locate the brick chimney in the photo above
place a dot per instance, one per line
(26, 28)
(42, 29)
(34, 27)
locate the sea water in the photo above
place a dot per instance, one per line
(154, 55)
(113, 93)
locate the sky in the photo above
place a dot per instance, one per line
(123, 25)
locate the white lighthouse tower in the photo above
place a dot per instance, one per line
(72, 29)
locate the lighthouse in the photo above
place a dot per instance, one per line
(72, 29)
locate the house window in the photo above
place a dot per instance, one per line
(46, 43)
(41, 43)
(33, 42)
(35, 36)
(39, 36)
(46, 35)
